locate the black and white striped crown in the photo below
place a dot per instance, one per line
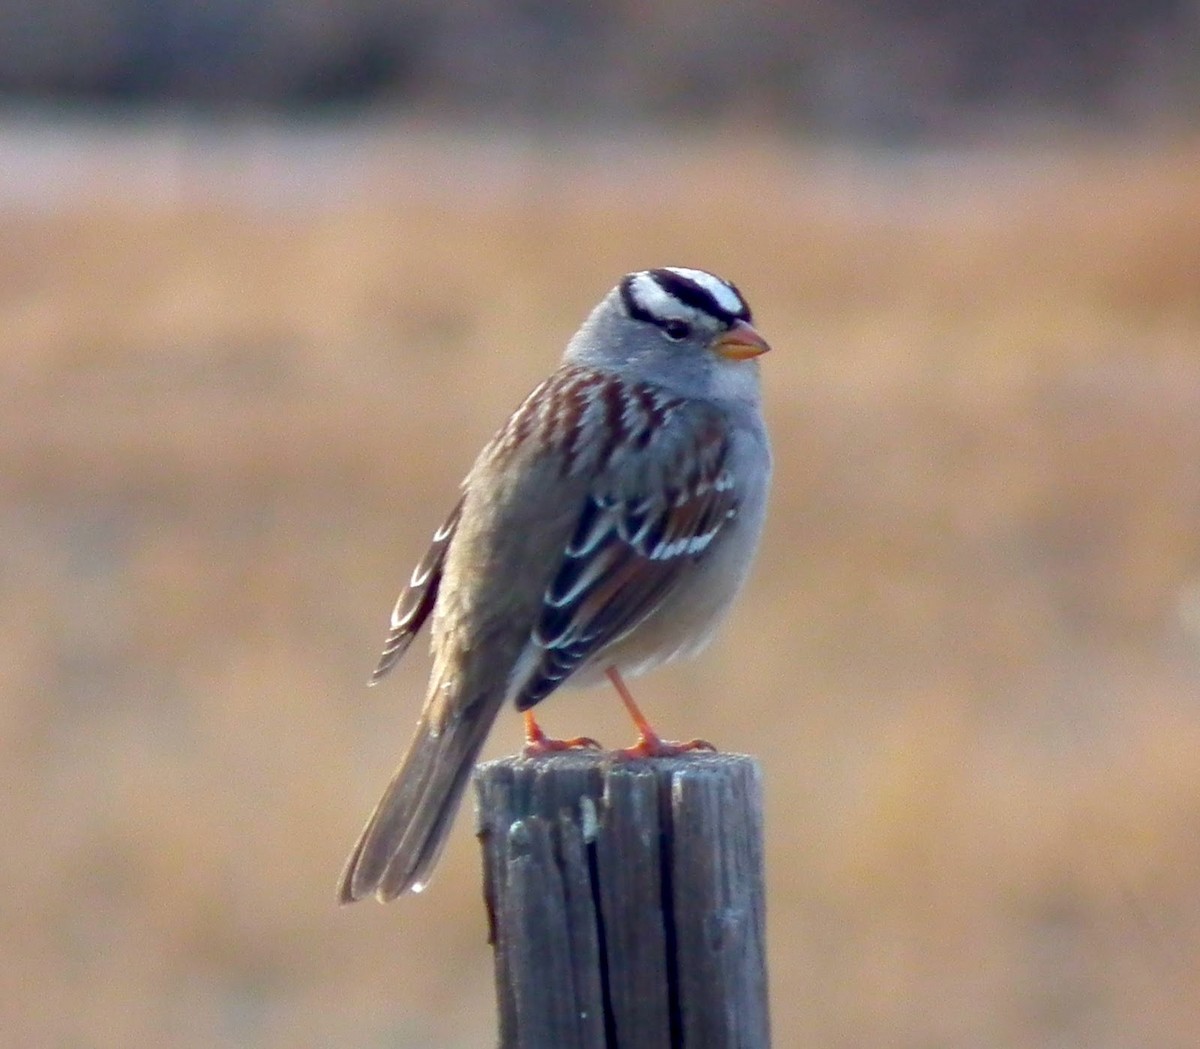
(672, 292)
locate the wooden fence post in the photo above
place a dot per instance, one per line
(626, 900)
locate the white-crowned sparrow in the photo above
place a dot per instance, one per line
(603, 531)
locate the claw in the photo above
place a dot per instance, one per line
(539, 747)
(649, 744)
(538, 744)
(654, 747)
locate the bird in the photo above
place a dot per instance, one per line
(603, 531)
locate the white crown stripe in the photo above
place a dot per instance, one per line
(728, 299)
(651, 296)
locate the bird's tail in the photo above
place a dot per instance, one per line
(404, 836)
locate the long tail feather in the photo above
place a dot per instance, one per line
(404, 836)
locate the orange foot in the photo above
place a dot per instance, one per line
(537, 743)
(650, 745)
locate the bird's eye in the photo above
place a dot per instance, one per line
(677, 330)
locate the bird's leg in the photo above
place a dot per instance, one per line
(649, 744)
(537, 742)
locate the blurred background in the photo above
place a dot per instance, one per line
(270, 274)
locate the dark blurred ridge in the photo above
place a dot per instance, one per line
(900, 68)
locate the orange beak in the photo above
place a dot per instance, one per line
(740, 343)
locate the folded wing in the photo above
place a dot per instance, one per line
(628, 551)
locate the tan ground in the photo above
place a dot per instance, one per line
(234, 409)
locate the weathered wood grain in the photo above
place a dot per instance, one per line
(626, 900)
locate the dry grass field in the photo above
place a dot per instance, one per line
(239, 384)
